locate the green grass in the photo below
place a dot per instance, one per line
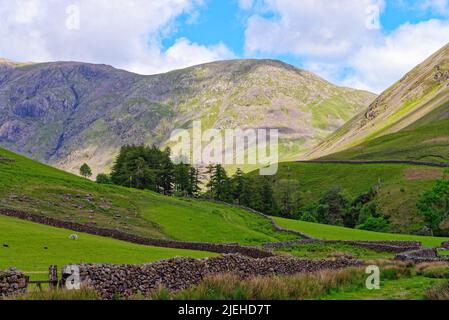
(324, 251)
(397, 197)
(27, 242)
(29, 186)
(425, 143)
(328, 232)
(413, 288)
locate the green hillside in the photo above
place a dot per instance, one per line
(33, 247)
(428, 142)
(401, 185)
(36, 188)
(327, 232)
(420, 97)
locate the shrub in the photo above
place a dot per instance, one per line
(379, 224)
(104, 179)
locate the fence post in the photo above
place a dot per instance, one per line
(53, 276)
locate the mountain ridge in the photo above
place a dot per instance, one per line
(66, 113)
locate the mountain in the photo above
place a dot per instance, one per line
(419, 98)
(67, 113)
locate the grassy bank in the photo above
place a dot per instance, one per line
(328, 232)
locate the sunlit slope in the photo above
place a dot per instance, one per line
(428, 142)
(32, 187)
(416, 95)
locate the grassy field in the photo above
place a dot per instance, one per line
(325, 251)
(36, 188)
(32, 248)
(401, 185)
(413, 288)
(328, 232)
(425, 143)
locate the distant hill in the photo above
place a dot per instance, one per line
(67, 113)
(419, 98)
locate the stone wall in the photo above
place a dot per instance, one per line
(412, 162)
(422, 255)
(12, 282)
(253, 252)
(380, 246)
(181, 273)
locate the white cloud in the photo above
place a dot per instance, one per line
(124, 33)
(335, 39)
(437, 6)
(327, 28)
(378, 66)
(246, 4)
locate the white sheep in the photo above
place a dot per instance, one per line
(73, 237)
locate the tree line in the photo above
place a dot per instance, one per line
(150, 168)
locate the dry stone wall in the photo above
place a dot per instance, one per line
(12, 282)
(181, 273)
(421, 255)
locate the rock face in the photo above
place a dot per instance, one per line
(12, 282)
(181, 273)
(67, 113)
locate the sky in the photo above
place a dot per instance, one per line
(365, 44)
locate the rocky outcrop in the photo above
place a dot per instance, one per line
(12, 282)
(181, 273)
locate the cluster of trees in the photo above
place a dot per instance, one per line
(336, 209)
(283, 198)
(253, 192)
(150, 168)
(434, 207)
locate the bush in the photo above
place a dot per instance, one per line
(379, 224)
(308, 217)
(104, 179)
(434, 270)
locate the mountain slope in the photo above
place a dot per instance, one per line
(418, 98)
(67, 113)
(428, 142)
(401, 186)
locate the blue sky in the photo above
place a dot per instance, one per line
(367, 44)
